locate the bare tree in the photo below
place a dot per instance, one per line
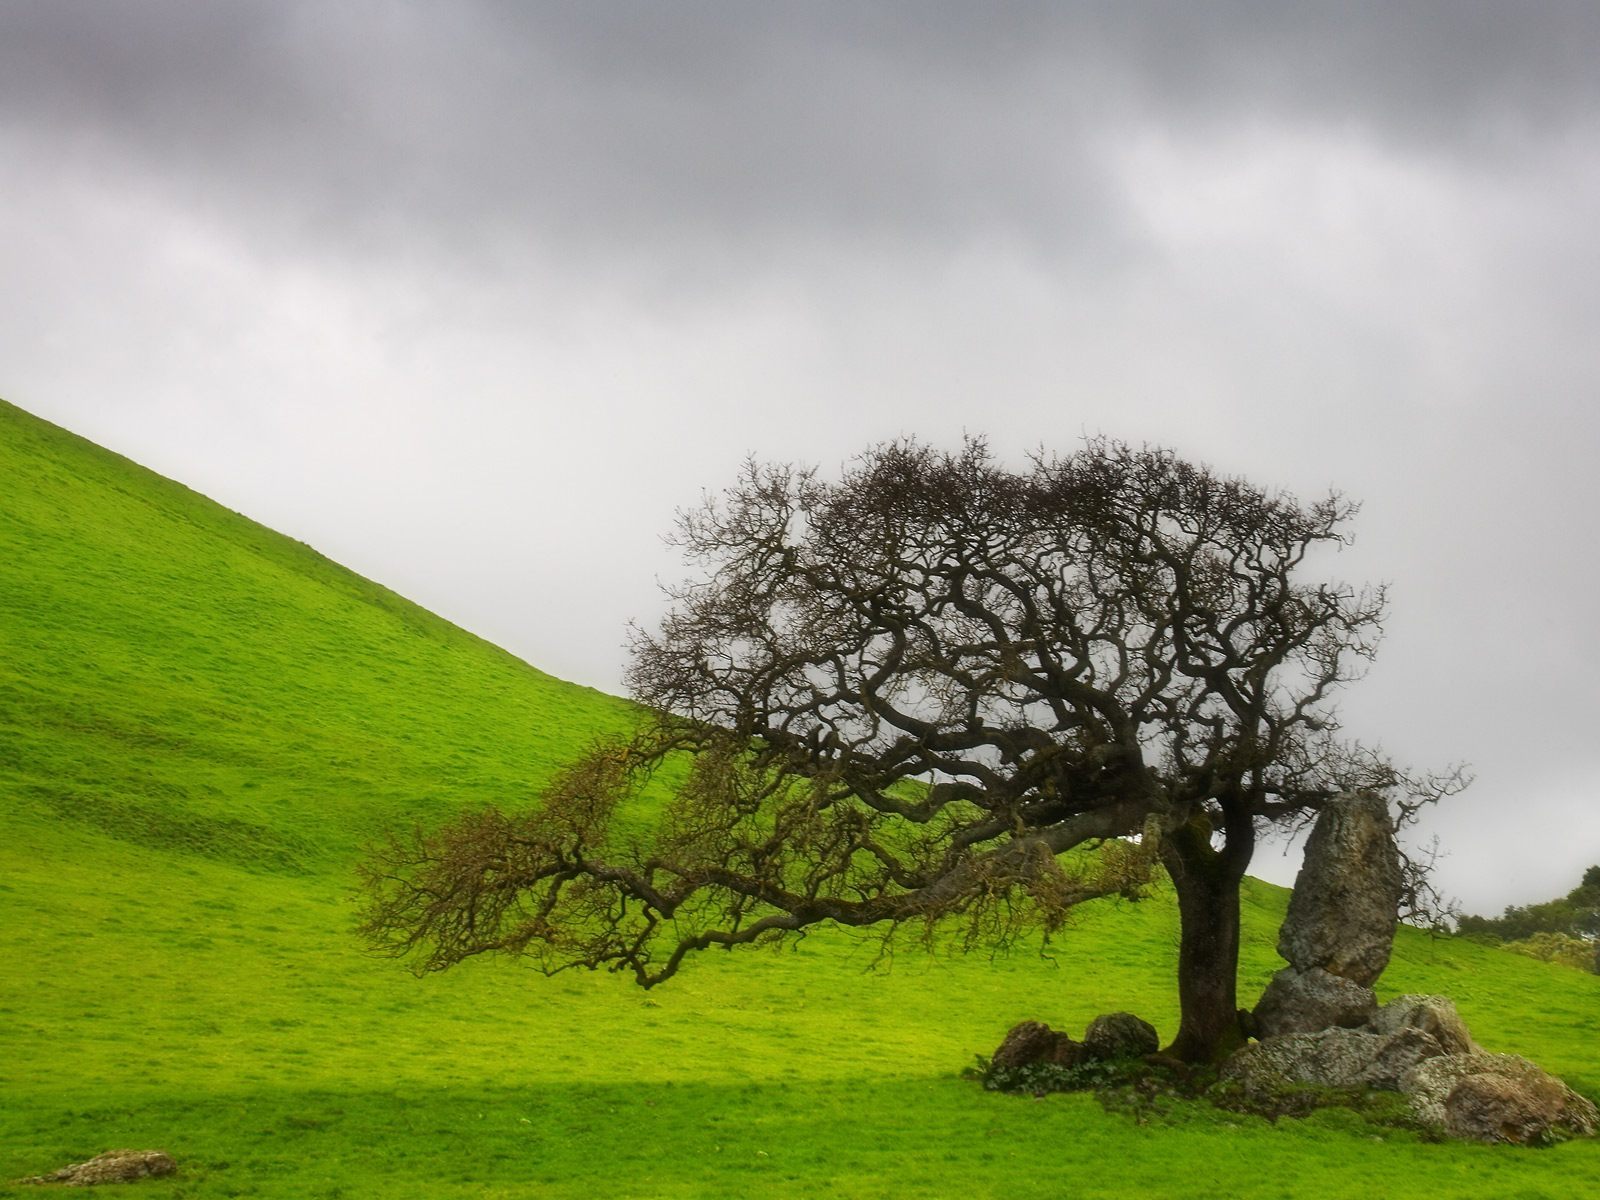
(935, 690)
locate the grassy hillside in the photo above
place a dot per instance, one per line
(200, 724)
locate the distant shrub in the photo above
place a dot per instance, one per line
(1558, 948)
(1575, 915)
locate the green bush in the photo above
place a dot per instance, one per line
(1560, 948)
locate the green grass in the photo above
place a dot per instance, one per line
(201, 723)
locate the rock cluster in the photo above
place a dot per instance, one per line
(1340, 927)
(1113, 1035)
(1420, 1046)
(1320, 1025)
(114, 1166)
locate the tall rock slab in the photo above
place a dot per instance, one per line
(1340, 928)
(1342, 914)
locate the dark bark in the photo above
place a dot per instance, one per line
(1207, 883)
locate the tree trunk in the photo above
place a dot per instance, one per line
(1207, 883)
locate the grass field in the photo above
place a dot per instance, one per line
(202, 722)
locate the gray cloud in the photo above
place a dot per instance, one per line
(621, 126)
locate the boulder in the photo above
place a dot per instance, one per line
(1307, 1001)
(1492, 1108)
(114, 1166)
(1334, 1058)
(1434, 1015)
(1497, 1098)
(1342, 912)
(1396, 1056)
(1120, 1035)
(1030, 1042)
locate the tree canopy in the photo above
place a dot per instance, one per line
(934, 690)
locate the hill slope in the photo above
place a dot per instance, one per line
(202, 721)
(174, 671)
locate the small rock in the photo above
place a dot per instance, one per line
(1306, 1001)
(1120, 1035)
(1030, 1042)
(114, 1166)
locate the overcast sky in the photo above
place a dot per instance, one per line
(473, 296)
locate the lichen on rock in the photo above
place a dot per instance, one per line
(1497, 1098)
(1434, 1015)
(114, 1166)
(1342, 912)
